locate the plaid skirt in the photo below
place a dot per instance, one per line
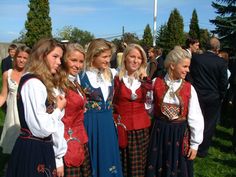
(82, 171)
(134, 155)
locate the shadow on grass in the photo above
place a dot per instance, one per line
(219, 133)
(231, 163)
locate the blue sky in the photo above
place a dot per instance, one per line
(103, 18)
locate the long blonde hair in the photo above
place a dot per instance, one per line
(38, 65)
(143, 64)
(96, 48)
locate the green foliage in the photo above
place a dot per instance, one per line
(38, 24)
(175, 30)
(204, 38)
(147, 40)
(130, 38)
(74, 34)
(225, 22)
(194, 30)
(162, 38)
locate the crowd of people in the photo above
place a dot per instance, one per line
(69, 113)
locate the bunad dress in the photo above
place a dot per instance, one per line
(99, 124)
(129, 111)
(40, 146)
(76, 159)
(178, 125)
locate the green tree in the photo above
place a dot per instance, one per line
(204, 38)
(147, 40)
(38, 24)
(74, 34)
(130, 38)
(225, 22)
(175, 30)
(21, 39)
(194, 30)
(162, 38)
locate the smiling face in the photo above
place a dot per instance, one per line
(75, 62)
(102, 61)
(21, 59)
(133, 61)
(180, 70)
(54, 59)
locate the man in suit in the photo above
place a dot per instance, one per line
(209, 77)
(7, 62)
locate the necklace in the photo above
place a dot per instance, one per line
(171, 92)
(133, 96)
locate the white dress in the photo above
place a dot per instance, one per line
(11, 127)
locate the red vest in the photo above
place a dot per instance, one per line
(74, 116)
(183, 93)
(133, 113)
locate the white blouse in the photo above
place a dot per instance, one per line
(97, 81)
(40, 123)
(194, 118)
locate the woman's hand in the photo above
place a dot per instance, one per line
(60, 171)
(192, 154)
(61, 102)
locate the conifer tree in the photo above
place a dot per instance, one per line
(194, 31)
(175, 30)
(147, 40)
(225, 22)
(38, 24)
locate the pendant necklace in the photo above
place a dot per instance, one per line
(133, 96)
(171, 92)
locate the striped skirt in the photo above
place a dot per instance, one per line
(134, 155)
(82, 171)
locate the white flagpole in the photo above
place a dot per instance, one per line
(155, 23)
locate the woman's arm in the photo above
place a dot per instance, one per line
(4, 92)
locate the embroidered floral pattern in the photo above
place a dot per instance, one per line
(95, 99)
(41, 169)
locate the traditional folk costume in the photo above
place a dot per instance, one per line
(98, 120)
(178, 124)
(76, 160)
(40, 146)
(129, 111)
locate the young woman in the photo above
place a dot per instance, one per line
(40, 146)
(129, 110)
(97, 82)
(76, 160)
(178, 125)
(10, 81)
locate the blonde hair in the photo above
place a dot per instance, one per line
(38, 65)
(70, 47)
(143, 64)
(175, 56)
(97, 47)
(19, 50)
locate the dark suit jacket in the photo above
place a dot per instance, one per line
(209, 76)
(6, 64)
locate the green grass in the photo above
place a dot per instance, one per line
(221, 161)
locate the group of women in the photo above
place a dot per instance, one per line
(79, 117)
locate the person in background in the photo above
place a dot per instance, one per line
(152, 63)
(178, 126)
(191, 45)
(97, 83)
(209, 77)
(39, 149)
(7, 62)
(160, 71)
(129, 110)
(76, 159)
(10, 80)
